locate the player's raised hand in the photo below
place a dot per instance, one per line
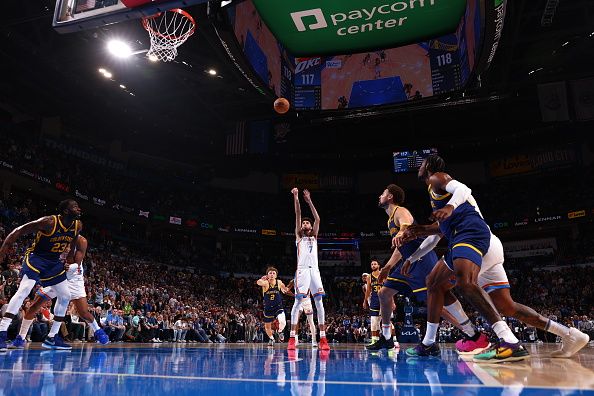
(443, 213)
(295, 191)
(307, 196)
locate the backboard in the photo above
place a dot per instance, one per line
(74, 15)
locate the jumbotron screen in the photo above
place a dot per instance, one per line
(359, 80)
(408, 161)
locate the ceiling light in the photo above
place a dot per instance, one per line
(565, 43)
(102, 70)
(119, 49)
(107, 75)
(122, 86)
(153, 58)
(212, 72)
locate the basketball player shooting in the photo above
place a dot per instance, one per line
(307, 276)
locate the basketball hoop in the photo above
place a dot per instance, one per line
(168, 30)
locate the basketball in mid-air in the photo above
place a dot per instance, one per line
(281, 105)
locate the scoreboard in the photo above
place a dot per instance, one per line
(407, 161)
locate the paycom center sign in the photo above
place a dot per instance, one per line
(330, 27)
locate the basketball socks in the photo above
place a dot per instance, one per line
(503, 331)
(5, 323)
(94, 325)
(557, 328)
(25, 324)
(55, 328)
(458, 313)
(430, 334)
(292, 334)
(387, 331)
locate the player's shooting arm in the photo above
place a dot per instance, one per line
(295, 193)
(316, 216)
(45, 224)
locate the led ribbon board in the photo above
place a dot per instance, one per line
(330, 27)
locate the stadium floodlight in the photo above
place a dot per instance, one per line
(119, 49)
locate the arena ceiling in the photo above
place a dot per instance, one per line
(179, 106)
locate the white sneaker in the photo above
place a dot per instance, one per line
(572, 343)
(314, 345)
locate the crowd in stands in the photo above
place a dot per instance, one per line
(189, 197)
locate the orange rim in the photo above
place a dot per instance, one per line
(149, 28)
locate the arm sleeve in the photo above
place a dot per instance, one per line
(460, 193)
(426, 246)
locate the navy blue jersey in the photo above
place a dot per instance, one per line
(468, 210)
(373, 297)
(467, 232)
(414, 284)
(272, 298)
(409, 247)
(51, 246)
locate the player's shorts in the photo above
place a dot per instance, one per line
(305, 306)
(76, 287)
(45, 272)
(270, 316)
(413, 285)
(470, 240)
(308, 279)
(374, 310)
(492, 275)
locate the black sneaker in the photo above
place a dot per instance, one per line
(382, 343)
(424, 350)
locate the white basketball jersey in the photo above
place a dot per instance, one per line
(75, 272)
(307, 253)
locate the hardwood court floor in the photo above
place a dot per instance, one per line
(240, 369)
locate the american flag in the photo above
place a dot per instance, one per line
(236, 141)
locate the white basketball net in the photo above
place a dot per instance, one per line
(168, 30)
